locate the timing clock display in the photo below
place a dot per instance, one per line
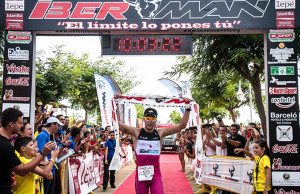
(147, 45)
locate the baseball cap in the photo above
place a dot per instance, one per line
(54, 120)
(150, 111)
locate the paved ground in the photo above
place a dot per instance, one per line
(123, 173)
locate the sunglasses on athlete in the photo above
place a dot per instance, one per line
(150, 118)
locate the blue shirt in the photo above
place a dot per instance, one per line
(42, 139)
(72, 145)
(111, 144)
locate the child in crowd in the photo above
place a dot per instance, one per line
(262, 169)
(26, 149)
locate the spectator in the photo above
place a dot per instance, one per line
(233, 142)
(75, 137)
(26, 184)
(208, 145)
(252, 136)
(61, 118)
(179, 143)
(43, 138)
(218, 141)
(110, 146)
(66, 127)
(11, 122)
(26, 130)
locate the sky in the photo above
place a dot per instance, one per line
(148, 69)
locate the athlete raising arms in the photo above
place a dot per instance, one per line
(147, 144)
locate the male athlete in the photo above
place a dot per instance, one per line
(147, 143)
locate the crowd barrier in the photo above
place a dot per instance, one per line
(82, 175)
(226, 173)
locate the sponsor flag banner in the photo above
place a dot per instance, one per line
(105, 94)
(230, 173)
(283, 103)
(17, 69)
(115, 161)
(130, 115)
(85, 173)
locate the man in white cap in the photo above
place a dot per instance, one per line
(52, 126)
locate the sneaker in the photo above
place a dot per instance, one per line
(113, 186)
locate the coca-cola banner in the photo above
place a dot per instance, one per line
(17, 71)
(229, 173)
(283, 103)
(85, 173)
(190, 16)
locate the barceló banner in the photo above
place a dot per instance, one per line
(128, 15)
(283, 103)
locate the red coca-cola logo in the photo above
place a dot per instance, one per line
(289, 148)
(22, 81)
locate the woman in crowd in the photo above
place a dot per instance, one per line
(208, 145)
(262, 168)
(252, 135)
(179, 142)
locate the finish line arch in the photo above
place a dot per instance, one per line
(158, 20)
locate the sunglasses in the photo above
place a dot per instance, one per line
(150, 118)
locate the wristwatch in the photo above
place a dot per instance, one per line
(188, 109)
(44, 155)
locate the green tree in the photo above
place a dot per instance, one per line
(175, 117)
(240, 54)
(216, 92)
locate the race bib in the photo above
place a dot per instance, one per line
(145, 173)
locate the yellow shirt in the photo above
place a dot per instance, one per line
(259, 184)
(36, 134)
(26, 184)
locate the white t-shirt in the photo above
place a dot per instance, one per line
(209, 151)
(219, 150)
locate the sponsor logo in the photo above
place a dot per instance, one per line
(231, 171)
(282, 191)
(215, 168)
(147, 9)
(283, 90)
(285, 4)
(23, 107)
(283, 102)
(19, 37)
(282, 53)
(287, 149)
(101, 84)
(250, 176)
(14, 5)
(14, 69)
(281, 179)
(277, 165)
(282, 70)
(292, 115)
(18, 54)
(281, 35)
(8, 96)
(14, 21)
(21, 81)
(284, 133)
(281, 83)
(285, 19)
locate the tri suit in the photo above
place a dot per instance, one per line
(148, 172)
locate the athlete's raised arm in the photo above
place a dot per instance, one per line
(181, 125)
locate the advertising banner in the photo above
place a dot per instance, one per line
(17, 71)
(85, 174)
(230, 173)
(105, 93)
(130, 115)
(283, 103)
(128, 15)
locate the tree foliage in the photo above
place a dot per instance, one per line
(238, 54)
(65, 76)
(175, 117)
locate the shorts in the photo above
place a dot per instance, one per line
(179, 150)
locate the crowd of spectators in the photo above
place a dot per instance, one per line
(33, 151)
